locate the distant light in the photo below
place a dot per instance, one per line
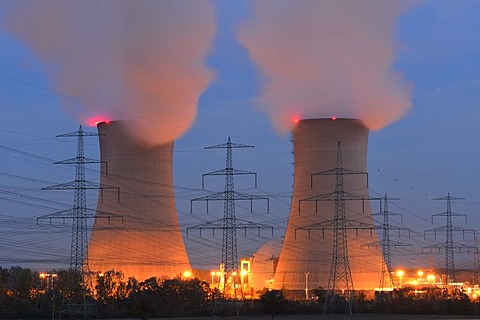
(334, 118)
(187, 274)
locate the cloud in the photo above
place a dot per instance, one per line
(328, 58)
(142, 60)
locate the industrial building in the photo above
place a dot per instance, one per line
(263, 264)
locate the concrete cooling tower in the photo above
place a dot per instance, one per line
(148, 242)
(305, 260)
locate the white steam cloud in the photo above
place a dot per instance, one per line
(143, 60)
(324, 58)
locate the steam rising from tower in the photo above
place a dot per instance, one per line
(148, 242)
(325, 58)
(141, 61)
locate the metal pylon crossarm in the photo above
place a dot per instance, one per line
(333, 225)
(337, 195)
(462, 248)
(232, 171)
(72, 213)
(221, 225)
(224, 195)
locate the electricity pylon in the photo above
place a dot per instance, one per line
(229, 223)
(449, 245)
(340, 288)
(386, 243)
(77, 298)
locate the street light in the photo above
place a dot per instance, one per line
(213, 275)
(306, 285)
(243, 273)
(50, 276)
(420, 275)
(400, 274)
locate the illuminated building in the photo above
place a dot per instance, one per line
(264, 263)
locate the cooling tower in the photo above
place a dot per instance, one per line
(148, 242)
(315, 143)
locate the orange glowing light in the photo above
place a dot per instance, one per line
(94, 121)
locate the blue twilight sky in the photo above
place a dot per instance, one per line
(433, 150)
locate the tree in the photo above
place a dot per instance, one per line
(185, 297)
(108, 286)
(20, 282)
(273, 301)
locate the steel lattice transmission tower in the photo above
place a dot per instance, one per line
(387, 243)
(77, 298)
(340, 288)
(449, 245)
(229, 223)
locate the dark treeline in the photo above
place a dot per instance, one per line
(28, 294)
(31, 295)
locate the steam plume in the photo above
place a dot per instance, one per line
(141, 59)
(327, 58)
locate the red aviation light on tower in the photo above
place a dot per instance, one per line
(94, 121)
(295, 119)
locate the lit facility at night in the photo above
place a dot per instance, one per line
(148, 242)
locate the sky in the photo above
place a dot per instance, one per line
(431, 151)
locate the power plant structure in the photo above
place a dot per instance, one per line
(148, 241)
(305, 260)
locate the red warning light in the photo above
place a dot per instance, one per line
(334, 118)
(94, 121)
(295, 120)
